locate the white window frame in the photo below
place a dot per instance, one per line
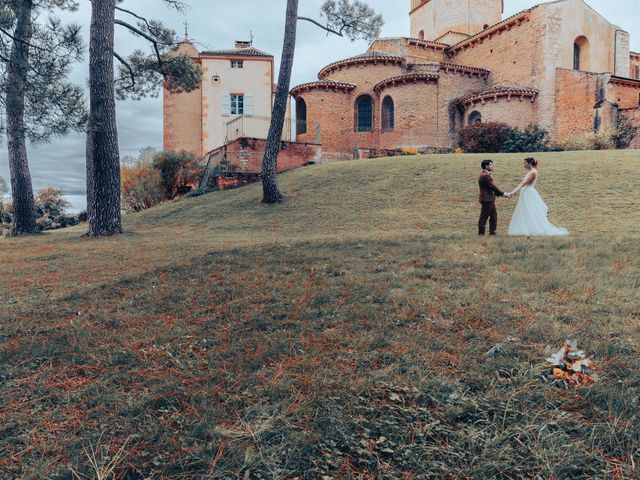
(237, 104)
(237, 63)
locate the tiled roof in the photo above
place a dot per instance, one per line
(370, 56)
(328, 84)
(500, 91)
(237, 52)
(408, 78)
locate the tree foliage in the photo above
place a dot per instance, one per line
(54, 106)
(36, 99)
(141, 186)
(51, 201)
(142, 73)
(352, 19)
(179, 172)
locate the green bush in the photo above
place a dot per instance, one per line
(179, 172)
(484, 137)
(49, 200)
(624, 133)
(532, 139)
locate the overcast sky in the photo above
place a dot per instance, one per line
(216, 24)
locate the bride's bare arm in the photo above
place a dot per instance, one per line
(528, 180)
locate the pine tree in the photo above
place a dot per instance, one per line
(139, 75)
(37, 100)
(349, 18)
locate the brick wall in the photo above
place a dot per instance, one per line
(246, 154)
(366, 76)
(625, 94)
(415, 114)
(437, 17)
(333, 110)
(515, 112)
(182, 126)
(512, 55)
(453, 85)
(577, 94)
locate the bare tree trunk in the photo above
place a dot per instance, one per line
(270, 191)
(24, 217)
(103, 157)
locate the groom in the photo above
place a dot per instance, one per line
(488, 193)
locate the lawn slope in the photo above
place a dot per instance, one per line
(341, 334)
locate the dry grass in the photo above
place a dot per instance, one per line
(341, 334)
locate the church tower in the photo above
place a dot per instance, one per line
(433, 19)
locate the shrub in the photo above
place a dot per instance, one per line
(484, 137)
(532, 139)
(140, 186)
(624, 134)
(179, 172)
(50, 202)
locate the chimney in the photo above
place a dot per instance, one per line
(242, 44)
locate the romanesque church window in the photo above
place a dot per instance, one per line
(301, 116)
(581, 53)
(475, 117)
(364, 114)
(388, 119)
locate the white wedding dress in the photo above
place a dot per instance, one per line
(530, 216)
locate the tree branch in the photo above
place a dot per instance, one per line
(131, 74)
(137, 31)
(324, 27)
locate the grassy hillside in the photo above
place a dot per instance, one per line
(340, 335)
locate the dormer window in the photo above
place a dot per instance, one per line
(237, 64)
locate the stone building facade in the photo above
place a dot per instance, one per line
(560, 65)
(233, 101)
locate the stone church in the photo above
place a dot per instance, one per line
(560, 65)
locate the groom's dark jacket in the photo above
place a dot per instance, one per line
(488, 190)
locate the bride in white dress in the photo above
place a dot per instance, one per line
(530, 215)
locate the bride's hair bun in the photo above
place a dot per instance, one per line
(531, 161)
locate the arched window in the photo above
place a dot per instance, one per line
(581, 53)
(637, 73)
(388, 119)
(364, 114)
(475, 117)
(421, 35)
(301, 116)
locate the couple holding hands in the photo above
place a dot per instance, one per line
(529, 217)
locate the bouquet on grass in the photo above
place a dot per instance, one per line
(571, 366)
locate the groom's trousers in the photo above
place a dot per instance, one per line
(490, 213)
